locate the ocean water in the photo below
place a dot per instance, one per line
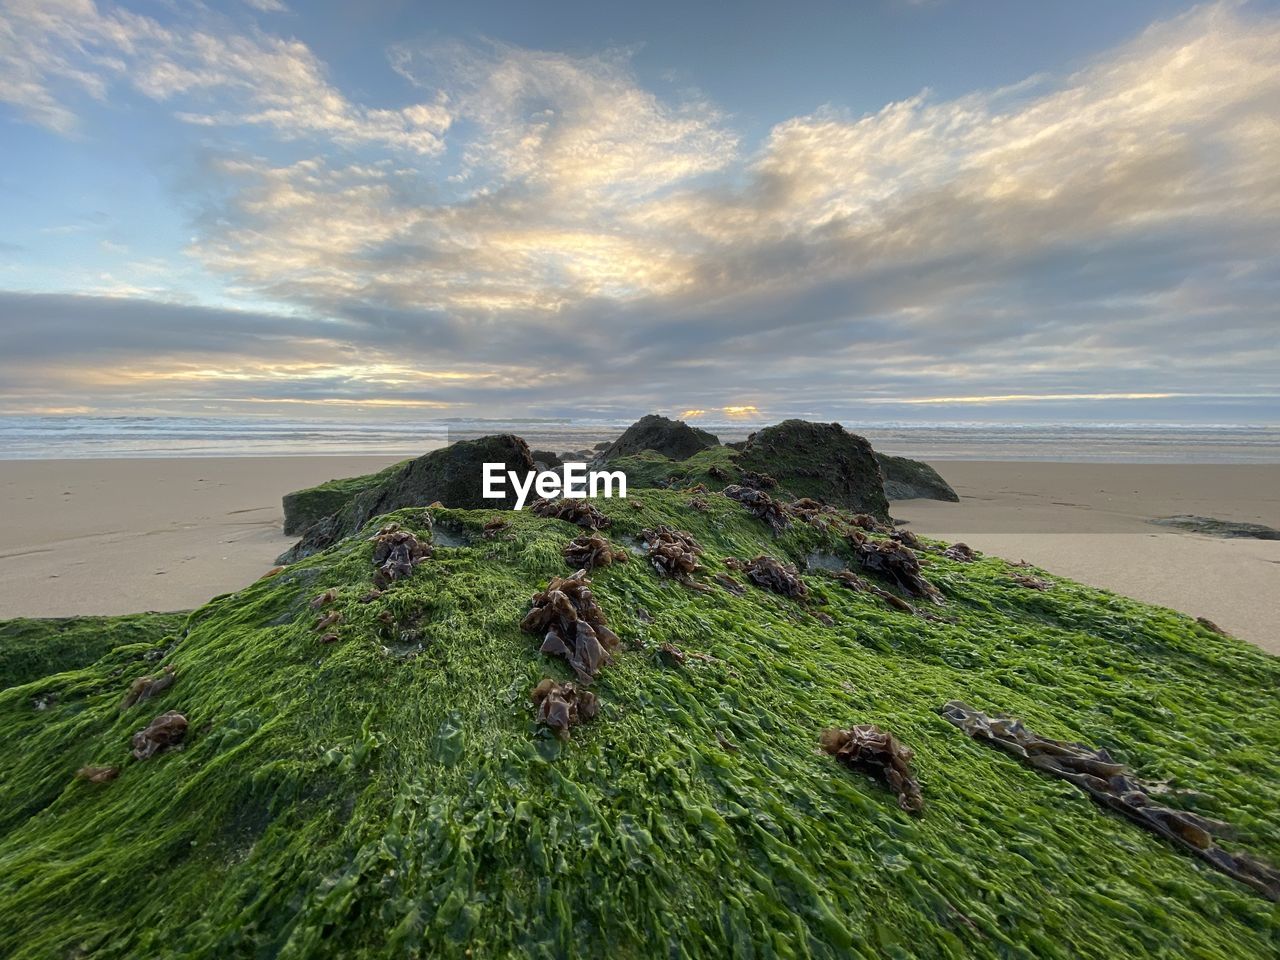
(76, 437)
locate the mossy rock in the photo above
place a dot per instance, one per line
(906, 479)
(390, 794)
(670, 438)
(302, 508)
(819, 460)
(453, 475)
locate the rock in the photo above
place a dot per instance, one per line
(912, 480)
(302, 508)
(819, 460)
(1219, 528)
(453, 475)
(549, 460)
(671, 438)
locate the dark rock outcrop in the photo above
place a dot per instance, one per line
(819, 460)
(671, 438)
(912, 480)
(548, 459)
(453, 475)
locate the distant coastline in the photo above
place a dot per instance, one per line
(80, 437)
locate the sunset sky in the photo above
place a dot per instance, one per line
(887, 209)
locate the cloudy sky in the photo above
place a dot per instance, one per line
(882, 209)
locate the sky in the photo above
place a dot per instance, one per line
(889, 209)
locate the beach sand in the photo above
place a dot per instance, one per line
(119, 536)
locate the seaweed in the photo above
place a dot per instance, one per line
(1112, 785)
(855, 582)
(396, 552)
(960, 552)
(162, 733)
(579, 512)
(773, 574)
(96, 774)
(1029, 582)
(144, 688)
(761, 481)
(895, 561)
(870, 749)
(907, 538)
(572, 624)
(324, 599)
(494, 527)
(730, 584)
(592, 550)
(673, 553)
(563, 705)
(760, 505)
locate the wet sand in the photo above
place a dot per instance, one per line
(118, 536)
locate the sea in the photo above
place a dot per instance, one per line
(80, 437)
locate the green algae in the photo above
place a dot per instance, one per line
(32, 648)
(352, 801)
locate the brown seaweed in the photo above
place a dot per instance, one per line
(960, 552)
(717, 472)
(896, 562)
(572, 511)
(872, 750)
(144, 688)
(396, 552)
(1112, 785)
(761, 481)
(810, 511)
(328, 620)
(907, 538)
(97, 774)
(773, 574)
(1029, 582)
(673, 553)
(671, 652)
(730, 584)
(855, 582)
(759, 504)
(494, 527)
(864, 521)
(572, 625)
(563, 705)
(324, 599)
(165, 731)
(592, 550)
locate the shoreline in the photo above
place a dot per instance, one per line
(122, 535)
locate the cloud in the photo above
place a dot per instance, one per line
(51, 50)
(1107, 236)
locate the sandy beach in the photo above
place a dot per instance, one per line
(117, 536)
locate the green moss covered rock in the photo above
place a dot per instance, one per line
(454, 475)
(820, 460)
(302, 508)
(670, 438)
(390, 794)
